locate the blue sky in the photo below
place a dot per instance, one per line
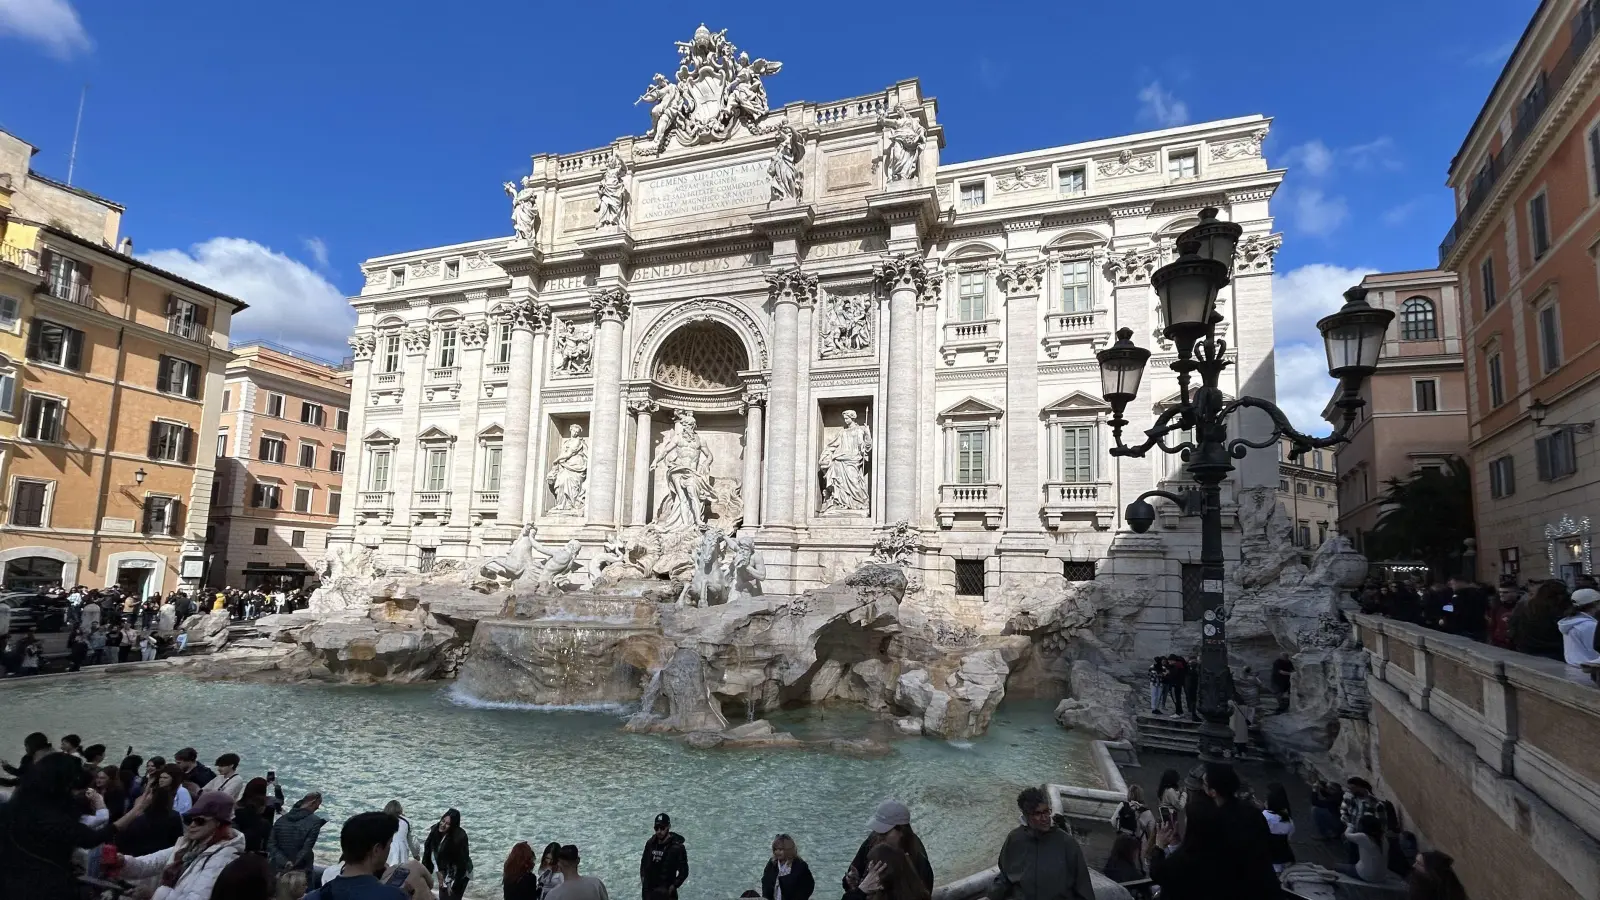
(268, 148)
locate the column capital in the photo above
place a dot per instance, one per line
(1023, 279)
(1133, 266)
(362, 344)
(610, 304)
(523, 315)
(792, 285)
(1256, 253)
(474, 333)
(755, 396)
(905, 271)
(416, 338)
(643, 405)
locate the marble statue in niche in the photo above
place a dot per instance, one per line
(787, 179)
(906, 136)
(613, 193)
(574, 348)
(570, 471)
(686, 459)
(845, 486)
(524, 209)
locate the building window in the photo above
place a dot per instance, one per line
(169, 442)
(1486, 273)
(1077, 570)
(1549, 338)
(308, 456)
(1425, 394)
(44, 419)
(260, 539)
(1316, 460)
(502, 351)
(426, 557)
(185, 319)
(55, 345)
(1497, 382)
(971, 299)
(1183, 165)
(275, 405)
(1502, 477)
(8, 393)
(334, 499)
(266, 496)
(297, 538)
(1077, 454)
(1283, 485)
(972, 195)
(447, 348)
(452, 268)
(1076, 288)
(969, 578)
(1594, 158)
(1322, 492)
(10, 312)
(66, 278)
(302, 499)
(222, 444)
(1539, 225)
(335, 460)
(1073, 182)
(1303, 533)
(29, 501)
(390, 362)
(491, 468)
(1556, 454)
(1300, 488)
(437, 474)
(1511, 561)
(378, 480)
(397, 277)
(1417, 320)
(341, 420)
(227, 400)
(972, 456)
(312, 414)
(272, 449)
(161, 515)
(180, 377)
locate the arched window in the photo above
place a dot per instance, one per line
(1416, 320)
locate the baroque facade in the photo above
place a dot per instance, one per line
(797, 321)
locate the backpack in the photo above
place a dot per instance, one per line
(1128, 818)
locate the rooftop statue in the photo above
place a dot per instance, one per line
(716, 89)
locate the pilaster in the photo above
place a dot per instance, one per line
(362, 345)
(787, 287)
(473, 336)
(611, 309)
(904, 277)
(525, 317)
(404, 481)
(1022, 283)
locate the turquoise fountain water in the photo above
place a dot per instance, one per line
(573, 776)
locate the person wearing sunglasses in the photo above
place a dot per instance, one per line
(787, 876)
(189, 870)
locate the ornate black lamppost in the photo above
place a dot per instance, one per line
(1187, 288)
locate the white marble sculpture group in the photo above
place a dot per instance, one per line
(716, 89)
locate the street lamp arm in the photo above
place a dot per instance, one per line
(1163, 426)
(1282, 428)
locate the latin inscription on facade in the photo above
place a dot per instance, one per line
(852, 168)
(568, 282)
(700, 266)
(846, 248)
(706, 191)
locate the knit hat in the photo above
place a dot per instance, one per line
(213, 805)
(1585, 597)
(890, 813)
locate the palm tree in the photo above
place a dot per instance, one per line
(1425, 518)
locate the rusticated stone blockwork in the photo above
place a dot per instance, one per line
(1493, 860)
(1459, 682)
(1565, 735)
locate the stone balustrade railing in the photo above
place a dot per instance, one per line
(1493, 755)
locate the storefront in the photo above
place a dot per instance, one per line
(37, 568)
(1569, 547)
(287, 577)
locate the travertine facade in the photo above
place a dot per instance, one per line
(860, 334)
(1306, 488)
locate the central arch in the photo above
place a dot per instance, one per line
(703, 356)
(734, 316)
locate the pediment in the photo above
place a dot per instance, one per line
(492, 433)
(379, 436)
(972, 408)
(1076, 239)
(1177, 398)
(434, 434)
(972, 250)
(1077, 402)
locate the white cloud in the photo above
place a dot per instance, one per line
(1315, 213)
(318, 248)
(1378, 153)
(52, 23)
(1158, 105)
(1313, 157)
(1299, 298)
(289, 302)
(1398, 214)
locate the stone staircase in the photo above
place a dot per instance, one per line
(1168, 734)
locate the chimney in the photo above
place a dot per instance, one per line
(126, 247)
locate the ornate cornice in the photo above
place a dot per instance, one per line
(792, 285)
(1014, 225)
(1250, 194)
(643, 404)
(610, 305)
(1130, 210)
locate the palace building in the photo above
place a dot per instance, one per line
(796, 321)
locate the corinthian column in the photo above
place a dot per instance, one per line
(904, 277)
(611, 308)
(362, 345)
(754, 396)
(525, 317)
(1022, 283)
(788, 287)
(643, 409)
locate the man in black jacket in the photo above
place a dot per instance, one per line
(1040, 861)
(293, 840)
(664, 867)
(1245, 836)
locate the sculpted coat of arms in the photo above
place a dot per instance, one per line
(717, 88)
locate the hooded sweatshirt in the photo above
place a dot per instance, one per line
(664, 864)
(1577, 636)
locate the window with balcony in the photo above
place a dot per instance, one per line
(275, 405)
(447, 348)
(972, 290)
(334, 500)
(66, 278)
(185, 319)
(1072, 180)
(308, 456)
(1549, 338)
(389, 359)
(161, 515)
(972, 195)
(502, 347)
(1497, 380)
(436, 472)
(1486, 274)
(179, 377)
(312, 414)
(1539, 225)
(972, 456)
(266, 496)
(1425, 394)
(378, 470)
(1502, 477)
(55, 345)
(491, 468)
(170, 442)
(1183, 164)
(272, 449)
(1556, 455)
(302, 499)
(45, 419)
(336, 460)
(30, 502)
(1077, 454)
(1077, 289)
(1417, 321)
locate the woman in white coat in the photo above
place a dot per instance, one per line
(403, 848)
(189, 870)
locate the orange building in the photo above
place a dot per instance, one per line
(280, 461)
(1416, 412)
(1526, 182)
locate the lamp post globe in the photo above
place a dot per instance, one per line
(1187, 288)
(1121, 369)
(1354, 336)
(1217, 239)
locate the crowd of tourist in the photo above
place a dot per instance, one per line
(1543, 619)
(76, 826)
(111, 625)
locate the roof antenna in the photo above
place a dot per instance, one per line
(72, 159)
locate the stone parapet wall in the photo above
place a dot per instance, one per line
(1491, 755)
